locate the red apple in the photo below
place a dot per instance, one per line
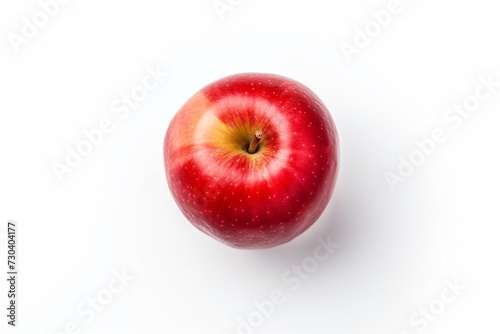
(251, 159)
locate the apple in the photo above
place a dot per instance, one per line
(252, 159)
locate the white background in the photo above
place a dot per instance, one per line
(114, 211)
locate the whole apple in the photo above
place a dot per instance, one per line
(251, 159)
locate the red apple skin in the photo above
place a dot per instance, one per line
(257, 200)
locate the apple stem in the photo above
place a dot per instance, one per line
(252, 148)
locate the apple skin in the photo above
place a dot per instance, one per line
(257, 200)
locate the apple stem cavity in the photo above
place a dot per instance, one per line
(257, 137)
